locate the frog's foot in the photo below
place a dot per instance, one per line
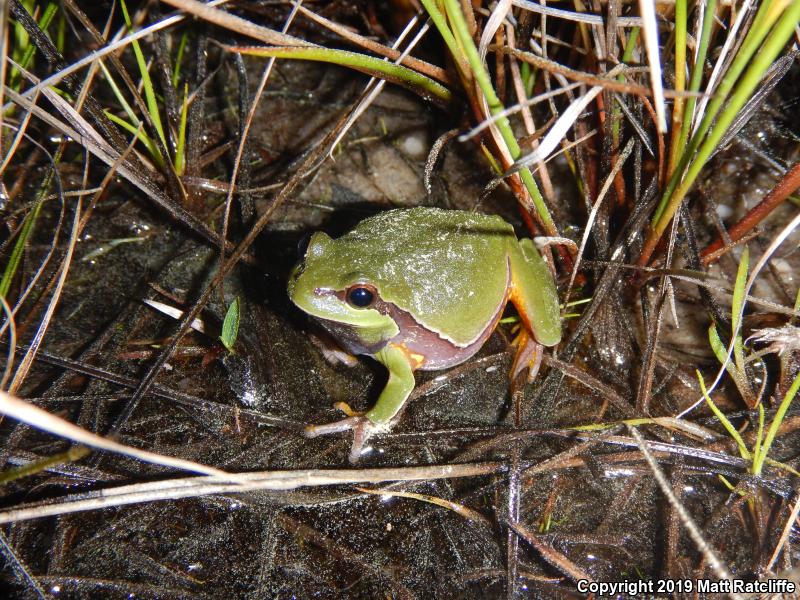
(361, 426)
(529, 355)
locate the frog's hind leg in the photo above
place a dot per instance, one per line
(533, 293)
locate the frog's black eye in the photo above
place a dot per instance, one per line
(360, 296)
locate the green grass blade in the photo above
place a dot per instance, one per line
(447, 35)
(757, 450)
(180, 147)
(140, 135)
(44, 23)
(796, 308)
(24, 50)
(753, 59)
(627, 54)
(775, 424)
(697, 73)
(147, 83)
(118, 93)
(743, 451)
(721, 352)
(21, 41)
(176, 72)
(27, 229)
(680, 79)
(368, 64)
(754, 37)
(719, 349)
(19, 249)
(72, 455)
(737, 306)
(61, 33)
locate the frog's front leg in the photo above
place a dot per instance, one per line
(400, 385)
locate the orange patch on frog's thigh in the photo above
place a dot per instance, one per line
(415, 360)
(515, 297)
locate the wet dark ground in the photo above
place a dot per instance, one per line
(598, 507)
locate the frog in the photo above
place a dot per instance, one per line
(422, 289)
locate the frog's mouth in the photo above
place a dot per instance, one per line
(355, 339)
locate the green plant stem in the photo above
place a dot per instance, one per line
(447, 35)
(680, 79)
(697, 72)
(495, 108)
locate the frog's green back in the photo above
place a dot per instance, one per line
(447, 268)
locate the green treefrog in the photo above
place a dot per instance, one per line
(420, 288)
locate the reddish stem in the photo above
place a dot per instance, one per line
(785, 187)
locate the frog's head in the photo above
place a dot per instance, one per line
(326, 285)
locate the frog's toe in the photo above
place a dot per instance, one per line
(361, 433)
(528, 356)
(362, 429)
(312, 431)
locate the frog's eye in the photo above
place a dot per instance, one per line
(360, 296)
